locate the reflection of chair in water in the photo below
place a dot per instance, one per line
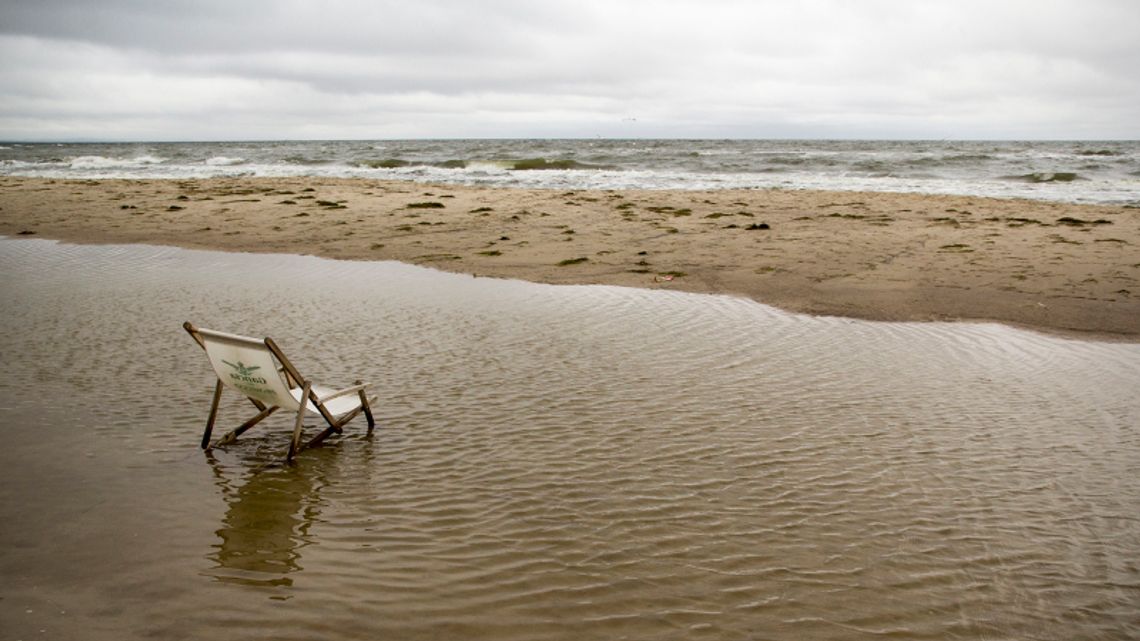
(257, 369)
(265, 526)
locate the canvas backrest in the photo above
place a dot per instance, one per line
(246, 365)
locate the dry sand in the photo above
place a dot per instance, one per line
(1050, 266)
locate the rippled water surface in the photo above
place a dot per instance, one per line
(551, 463)
(1091, 172)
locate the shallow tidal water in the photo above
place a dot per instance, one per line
(550, 463)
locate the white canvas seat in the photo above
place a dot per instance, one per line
(257, 369)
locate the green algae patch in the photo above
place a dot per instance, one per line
(385, 163)
(1077, 222)
(1048, 177)
(957, 248)
(452, 164)
(528, 164)
(1015, 221)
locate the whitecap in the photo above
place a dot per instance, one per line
(103, 162)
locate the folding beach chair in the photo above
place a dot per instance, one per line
(258, 370)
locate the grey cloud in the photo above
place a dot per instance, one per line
(219, 27)
(699, 67)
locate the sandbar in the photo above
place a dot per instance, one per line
(1056, 267)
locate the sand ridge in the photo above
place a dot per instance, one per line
(883, 256)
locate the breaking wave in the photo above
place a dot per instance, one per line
(104, 162)
(399, 163)
(1096, 172)
(224, 161)
(1048, 177)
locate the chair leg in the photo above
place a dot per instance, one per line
(295, 444)
(213, 416)
(319, 438)
(367, 409)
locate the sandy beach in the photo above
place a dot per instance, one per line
(1062, 268)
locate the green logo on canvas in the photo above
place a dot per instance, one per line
(245, 374)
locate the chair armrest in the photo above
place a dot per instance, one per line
(344, 392)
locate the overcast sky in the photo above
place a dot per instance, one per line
(369, 69)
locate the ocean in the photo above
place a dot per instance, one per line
(1087, 172)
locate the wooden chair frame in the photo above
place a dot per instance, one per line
(292, 379)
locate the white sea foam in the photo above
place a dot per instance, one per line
(224, 161)
(103, 162)
(1101, 172)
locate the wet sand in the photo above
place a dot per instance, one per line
(1050, 266)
